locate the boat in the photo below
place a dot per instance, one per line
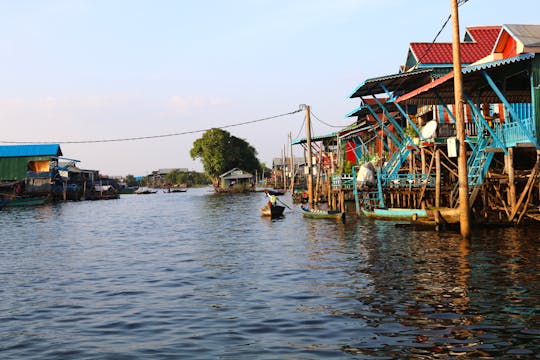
(145, 190)
(276, 192)
(322, 214)
(436, 216)
(274, 211)
(394, 214)
(177, 190)
(17, 201)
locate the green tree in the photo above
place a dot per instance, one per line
(131, 181)
(219, 152)
(173, 177)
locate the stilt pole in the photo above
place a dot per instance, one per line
(464, 219)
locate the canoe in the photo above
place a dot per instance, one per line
(273, 211)
(322, 214)
(394, 214)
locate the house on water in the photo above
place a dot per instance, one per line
(30, 169)
(410, 118)
(236, 180)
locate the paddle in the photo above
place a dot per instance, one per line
(287, 206)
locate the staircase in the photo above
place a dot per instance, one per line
(396, 161)
(477, 168)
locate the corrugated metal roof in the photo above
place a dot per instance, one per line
(30, 150)
(529, 35)
(497, 63)
(315, 138)
(392, 82)
(472, 75)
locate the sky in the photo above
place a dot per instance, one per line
(87, 70)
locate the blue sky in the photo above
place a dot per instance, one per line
(76, 70)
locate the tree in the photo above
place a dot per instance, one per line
(131, 181)
(219, 152)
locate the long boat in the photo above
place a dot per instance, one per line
(322, 214)
(394, 214)
(26, 201)
(272, 211)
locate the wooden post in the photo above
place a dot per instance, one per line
(284, 167)
(423, 157)
(464, 218)
(437, 178)
(292, 164)
(309, 158)
(511, 178)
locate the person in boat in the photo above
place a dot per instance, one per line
(272, 199)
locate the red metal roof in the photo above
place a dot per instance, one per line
(441, 53)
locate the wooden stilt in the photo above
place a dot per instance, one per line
(511, 178)
(437, 178)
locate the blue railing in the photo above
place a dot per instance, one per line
(412, 180)
(343, 181)
(512, 133)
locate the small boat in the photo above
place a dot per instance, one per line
(394, 214)
(276, 192)
(177, 190)
(322, 214)
(145, 190)
(274, 211)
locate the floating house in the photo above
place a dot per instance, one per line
(405, 129)
(29, 168)
(412, 131)
(236, 179)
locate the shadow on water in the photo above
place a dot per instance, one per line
(198, 275)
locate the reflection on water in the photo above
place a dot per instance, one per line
(203, 276)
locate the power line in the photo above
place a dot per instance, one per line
(151, 136)
(325, 123)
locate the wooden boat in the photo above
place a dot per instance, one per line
(272, 211)
(276, 192)
(394, 214)
(443, 215)
(177, 190)
(322, 214)
(144, 190)
(16, 201)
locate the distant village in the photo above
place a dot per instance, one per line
(32, 174)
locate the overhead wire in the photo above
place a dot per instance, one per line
(419, 61)
(152, 136)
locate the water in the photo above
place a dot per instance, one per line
(200, 276)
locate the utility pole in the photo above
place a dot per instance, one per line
(464, 218)
(291, 163)
(309, 158)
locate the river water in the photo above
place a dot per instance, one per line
(199, 276)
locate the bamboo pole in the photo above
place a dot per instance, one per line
(530, 182)
(292, 164)
(437, 178)
(309, 158)
(464, 219)
(511, 178)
